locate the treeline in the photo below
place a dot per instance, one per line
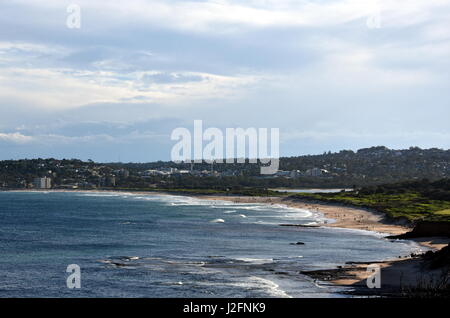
(345, 169)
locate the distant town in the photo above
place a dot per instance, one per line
(369, 166)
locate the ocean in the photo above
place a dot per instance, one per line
(135, 245)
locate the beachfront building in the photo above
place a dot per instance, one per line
(42, 183)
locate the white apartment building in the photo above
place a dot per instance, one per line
(42, 183)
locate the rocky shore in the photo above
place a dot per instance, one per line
(401, 277)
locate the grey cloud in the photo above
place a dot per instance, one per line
(304, 87)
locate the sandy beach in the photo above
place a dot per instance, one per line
(339, 216)
(397, 274)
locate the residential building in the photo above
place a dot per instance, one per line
(42, 183)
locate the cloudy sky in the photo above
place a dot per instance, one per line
(331, 74)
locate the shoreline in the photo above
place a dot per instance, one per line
(338, 216)
(345, 217)
(397, 272)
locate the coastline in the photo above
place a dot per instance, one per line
(397, 272)
(341, 217)
(337, 216)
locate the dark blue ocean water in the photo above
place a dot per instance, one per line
(131, 245)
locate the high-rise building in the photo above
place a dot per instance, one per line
(42, 183)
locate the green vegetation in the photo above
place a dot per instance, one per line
(415, 201)
(344, 169)
(443, 212)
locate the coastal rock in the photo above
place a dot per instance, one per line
(426, 229)
(299, 225)
(438, 259)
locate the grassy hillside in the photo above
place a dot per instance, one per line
(414, 201)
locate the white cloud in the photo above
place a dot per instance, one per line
(56, 139)
(65, 88)
(16, 138)
(289, 62)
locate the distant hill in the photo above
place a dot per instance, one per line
(365, 167)
(377, 165)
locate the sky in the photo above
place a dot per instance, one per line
(331, 75)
